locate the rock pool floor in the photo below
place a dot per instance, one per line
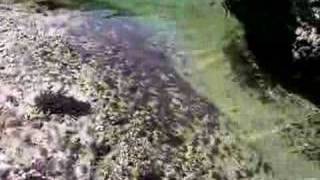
(87, 97)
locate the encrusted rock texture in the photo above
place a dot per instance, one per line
(307, 44)
(83, 95)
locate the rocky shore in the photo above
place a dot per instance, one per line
(86, 96)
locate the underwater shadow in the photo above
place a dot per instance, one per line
(270, 27)
(56, 103)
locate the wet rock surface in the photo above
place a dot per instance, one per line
(84, 96)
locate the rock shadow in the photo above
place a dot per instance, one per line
(56, 103)
(270, 27)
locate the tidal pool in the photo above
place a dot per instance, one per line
(201, 31)
(256, 122)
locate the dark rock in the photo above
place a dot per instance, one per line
(284, 38)
(56, 103)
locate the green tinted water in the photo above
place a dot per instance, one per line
(204, 31)
(207, 30)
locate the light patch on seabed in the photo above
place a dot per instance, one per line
(255, 122)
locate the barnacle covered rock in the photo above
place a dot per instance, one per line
(91, 99)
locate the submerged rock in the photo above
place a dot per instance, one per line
(140, 119)
(286, 45)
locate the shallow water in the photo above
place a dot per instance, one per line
(201, 31)
(257, 123)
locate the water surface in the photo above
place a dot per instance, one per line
(201, 30)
